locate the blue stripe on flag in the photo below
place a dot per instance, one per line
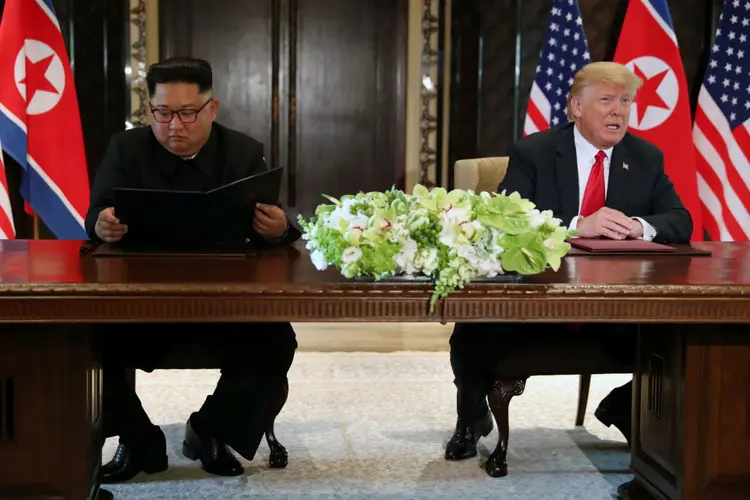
(49, 4)
(14, 140)
(50, 208)
(660, 6)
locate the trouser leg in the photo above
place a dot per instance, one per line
(253, 373)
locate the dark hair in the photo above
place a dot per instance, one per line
(180, 70)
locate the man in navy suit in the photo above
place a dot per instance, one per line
(599, 180)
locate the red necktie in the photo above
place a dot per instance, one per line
(593, 197)
(593, 200)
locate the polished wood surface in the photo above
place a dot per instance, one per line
(33, 262)
(50, 402)
(282, 284)
(691, 431)
(321, 83)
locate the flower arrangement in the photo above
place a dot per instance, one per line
(450, 237)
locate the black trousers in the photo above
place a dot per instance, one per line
(254, 359)
(478, 348)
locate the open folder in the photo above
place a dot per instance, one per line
(222, 215)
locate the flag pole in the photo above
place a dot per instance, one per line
(36, 226)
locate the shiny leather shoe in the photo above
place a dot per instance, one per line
(214, 455)
(463, 443)
(616, 409)
(621, 419)
(104, 495)
(130, 459)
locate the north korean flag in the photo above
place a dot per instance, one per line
(40, 126)
(661, 110)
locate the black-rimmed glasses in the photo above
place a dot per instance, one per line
(164, 115)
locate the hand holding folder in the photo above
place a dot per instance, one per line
(222, 215)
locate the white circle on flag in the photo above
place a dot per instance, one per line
(43, 99)
(668, 90)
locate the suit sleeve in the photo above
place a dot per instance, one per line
(520, 176)
(292, 234)
(111, 174)
(670, 218)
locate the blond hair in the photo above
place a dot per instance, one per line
(602, 72)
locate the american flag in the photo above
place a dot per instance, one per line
(721, 131)
(564, 52)
(7, 229)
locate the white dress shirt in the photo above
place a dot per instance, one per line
(585, 157)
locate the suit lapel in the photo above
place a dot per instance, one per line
(618, 184)
(566, 170)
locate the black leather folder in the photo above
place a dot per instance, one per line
(222, 215)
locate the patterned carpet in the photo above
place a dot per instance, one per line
(373, 426)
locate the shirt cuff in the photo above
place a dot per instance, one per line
(574, 223)
(280, 238)
(649, 232)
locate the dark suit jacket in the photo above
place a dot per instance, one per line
(135, 159)
(543, 169)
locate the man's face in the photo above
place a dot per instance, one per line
(186, 133)
(602, 112)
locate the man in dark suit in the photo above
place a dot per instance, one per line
(184, 149)
(599, 180)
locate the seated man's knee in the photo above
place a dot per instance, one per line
(279, 336)
(264, 348)
(471, 336)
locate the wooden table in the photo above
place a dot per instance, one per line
(692, 390)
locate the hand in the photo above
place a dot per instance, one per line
(108, 227)
(606, 222)
(637, 231)
(270, 221)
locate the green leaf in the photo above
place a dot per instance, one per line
(523, 253)
(420, 191)
(322, 209)
(556, 247)
(513, 223)
(331, 199)
(554, 256)
(457, 196)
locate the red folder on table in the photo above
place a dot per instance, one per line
(604, 245)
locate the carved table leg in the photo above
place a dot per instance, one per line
(279, 457)
(499, 399)
(633, 490)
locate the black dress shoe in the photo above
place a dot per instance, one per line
(214, 455)
(104, 495)
(463, 443)
(616, 409)
(150, 456)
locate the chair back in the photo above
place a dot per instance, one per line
(480, 174)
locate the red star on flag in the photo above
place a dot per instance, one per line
(647, 95)
(36, 80)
